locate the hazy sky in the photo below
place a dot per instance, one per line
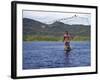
(50, 17)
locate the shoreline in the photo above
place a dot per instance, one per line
(58, 41)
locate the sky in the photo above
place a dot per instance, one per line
(65, 17)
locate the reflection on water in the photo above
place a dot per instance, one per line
(52, 55)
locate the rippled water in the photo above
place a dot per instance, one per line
(52, 55)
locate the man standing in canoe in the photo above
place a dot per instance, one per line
(66, 40)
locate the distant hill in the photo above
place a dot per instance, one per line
(33, 27)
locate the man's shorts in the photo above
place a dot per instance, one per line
(67, 46)
(67, 43)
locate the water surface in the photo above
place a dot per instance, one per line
(38, 55)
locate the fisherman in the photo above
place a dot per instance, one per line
(66, 40)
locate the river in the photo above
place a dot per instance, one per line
(43, 54)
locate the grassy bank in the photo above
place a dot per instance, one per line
(52, 38)
(81, 38)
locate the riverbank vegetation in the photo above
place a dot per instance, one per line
(53, 38)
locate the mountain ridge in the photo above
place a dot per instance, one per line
(33, 27)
